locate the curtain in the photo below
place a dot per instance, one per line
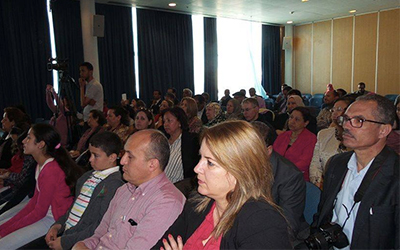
(24, 51)
(116, 60)
(211, 57)
(69, 45)
(165, 45)
(271, 59)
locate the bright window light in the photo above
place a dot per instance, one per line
(52, 44)
(198, 53)
(239, 56)
(135, 50)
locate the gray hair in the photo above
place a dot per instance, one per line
(385, 111)
(158, 148)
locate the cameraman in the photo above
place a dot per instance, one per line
(361, 187)
(91, 91)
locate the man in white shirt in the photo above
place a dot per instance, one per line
(361, 187)
(91, 91)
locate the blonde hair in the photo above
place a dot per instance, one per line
(216, 107)
(241, 151)
(191, 107)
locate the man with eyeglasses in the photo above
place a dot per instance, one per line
(251, 109)
(361, 187)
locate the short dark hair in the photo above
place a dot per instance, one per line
(200, 98)
(157, 90)
(173, 90)
(385, 111)
(305, 112)
(180, 116)
(287, 88)
(97, 114)
(170, 95)
(348, 99)
(252, 101)
(107, 141)
(88, 65)
(361, 83)
(294, 92)
(120, 111)
(158, 148)
(268, 133)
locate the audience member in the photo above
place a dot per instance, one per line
(56, 175)
(324, 117)
(93, 193)
(11, 117)
(201, 108)
(171, 97)
(189, 105)
(214, 114)
(117, 122)
(251, 111)
(142, 209)
(144, 119)
(156, 102)
(96, 121)
(239, 96)
(234, 206)
(224, 100)
(165, 104)
(281, 120)
(329, 142)
(280, 107)
(361, 187)
(234, 110)
(294, 92)
(297, 144)
(243, 91)
(260, 100)
(91, 91)
(289, 187)
(341, 92)
(187, 93)
(280, 96)
(361, 89)
(184, 146)
(393, 139)
(206, 97)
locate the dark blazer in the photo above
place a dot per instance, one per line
(98, 205)
(377, 221)
(190, 153)
(289, 191)
(257, 226)
(6, 155)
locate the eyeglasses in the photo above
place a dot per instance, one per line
(338, 109)
(248, 109)
(355, 122)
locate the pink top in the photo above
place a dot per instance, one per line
(301, 151)
(202, 233)
(51, 190)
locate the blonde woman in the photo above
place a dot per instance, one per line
(214, 114)
(189, 105)
(234, 207)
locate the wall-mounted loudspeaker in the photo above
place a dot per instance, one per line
(98, 25)
(287, 43)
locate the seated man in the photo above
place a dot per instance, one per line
(145, 207)
(361, 187)
(251, 111)
(94, 191)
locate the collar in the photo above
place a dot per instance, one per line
(106, 172)
(352, 165)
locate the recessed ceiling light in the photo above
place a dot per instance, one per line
(304, 1)
(289, 22)
(172, 4)
(353, 11)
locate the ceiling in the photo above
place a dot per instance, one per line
(265, 11)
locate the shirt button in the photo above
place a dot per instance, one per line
(100, 247)
(133, 198)
(110, 235)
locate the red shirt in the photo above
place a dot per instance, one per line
(16, 164)
(202, 233)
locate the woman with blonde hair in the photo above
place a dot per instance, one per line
(189, 105)
(234, 207)
(214, 114)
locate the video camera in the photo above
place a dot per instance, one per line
(57, 64)
(329, 235)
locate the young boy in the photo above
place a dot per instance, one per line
(93, 193)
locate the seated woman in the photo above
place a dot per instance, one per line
(234, 207)
(184, 146)
(297, 144)
(281, 120)
(214, 114)
(189, 105)
(118, 122)
(329, 141)
(56, 175)
(95, 122)
(233, 110)
(165, 104)
(144, 119)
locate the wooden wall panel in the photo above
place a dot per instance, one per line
(365, 50)
(302, 64)
(342, 53)
(321, 56)
(389, 52)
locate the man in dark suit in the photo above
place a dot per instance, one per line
(156, 102)
(361, 187)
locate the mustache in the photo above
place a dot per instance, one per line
(347, 132)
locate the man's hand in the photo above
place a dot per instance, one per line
(52, 233)
(82, 82)
(55, 244)
(80, 246)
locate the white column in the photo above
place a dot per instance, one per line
(289, 69)
(90, 52)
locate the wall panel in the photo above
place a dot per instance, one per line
(365, 50)
(321, 56)
(389, 52)
(302, 49)
(342, 53)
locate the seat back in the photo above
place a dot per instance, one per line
(313, 194)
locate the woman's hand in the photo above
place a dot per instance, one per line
(172, 245)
